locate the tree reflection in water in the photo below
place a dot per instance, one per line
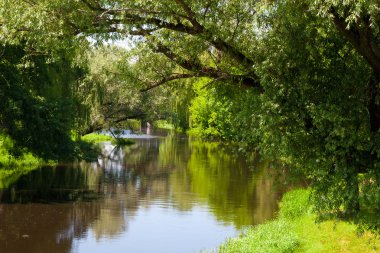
(45, 210)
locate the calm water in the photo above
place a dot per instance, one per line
(165, 194)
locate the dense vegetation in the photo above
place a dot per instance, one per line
(296, 80)
(37, 102)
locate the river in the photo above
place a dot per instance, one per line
(161, 194)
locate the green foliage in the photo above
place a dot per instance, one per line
(38, 109)
(112, 94)
(210, 113)
(12, 167)
(301, 117)
(163, 124)
(306, 120)
(179, 102)
(9, 162)
(133, 124)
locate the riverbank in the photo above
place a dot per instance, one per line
(13, 166)
(295, 230)
(9, 161)
(97, 138)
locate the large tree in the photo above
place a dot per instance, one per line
(37, 105)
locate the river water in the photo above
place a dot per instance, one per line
(164, 194)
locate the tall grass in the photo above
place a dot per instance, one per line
(295, 230)
(277, 235)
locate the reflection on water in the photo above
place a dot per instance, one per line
(159, 195)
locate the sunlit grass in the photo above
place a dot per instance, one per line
(332, 236)
(296, 230)
(275, 236)
(96, 138)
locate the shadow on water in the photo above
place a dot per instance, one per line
(146, 188)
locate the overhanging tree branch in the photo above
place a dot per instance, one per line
(146, 22)
(168, 79)
(122, 17)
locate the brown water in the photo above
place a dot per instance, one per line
(165, 194)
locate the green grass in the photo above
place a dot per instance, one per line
(96, 138)
(275, 236)
(295, 230)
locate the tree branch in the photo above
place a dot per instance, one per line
(168, 79)
(191, 65)
(131, 18)
(142, 22)
(191, 15)
(108, 16)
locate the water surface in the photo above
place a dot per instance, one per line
(166, 194)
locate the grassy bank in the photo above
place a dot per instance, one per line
(85, 150)
(96, 138)
(12, 166)
(8, 160)
(295, 230)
